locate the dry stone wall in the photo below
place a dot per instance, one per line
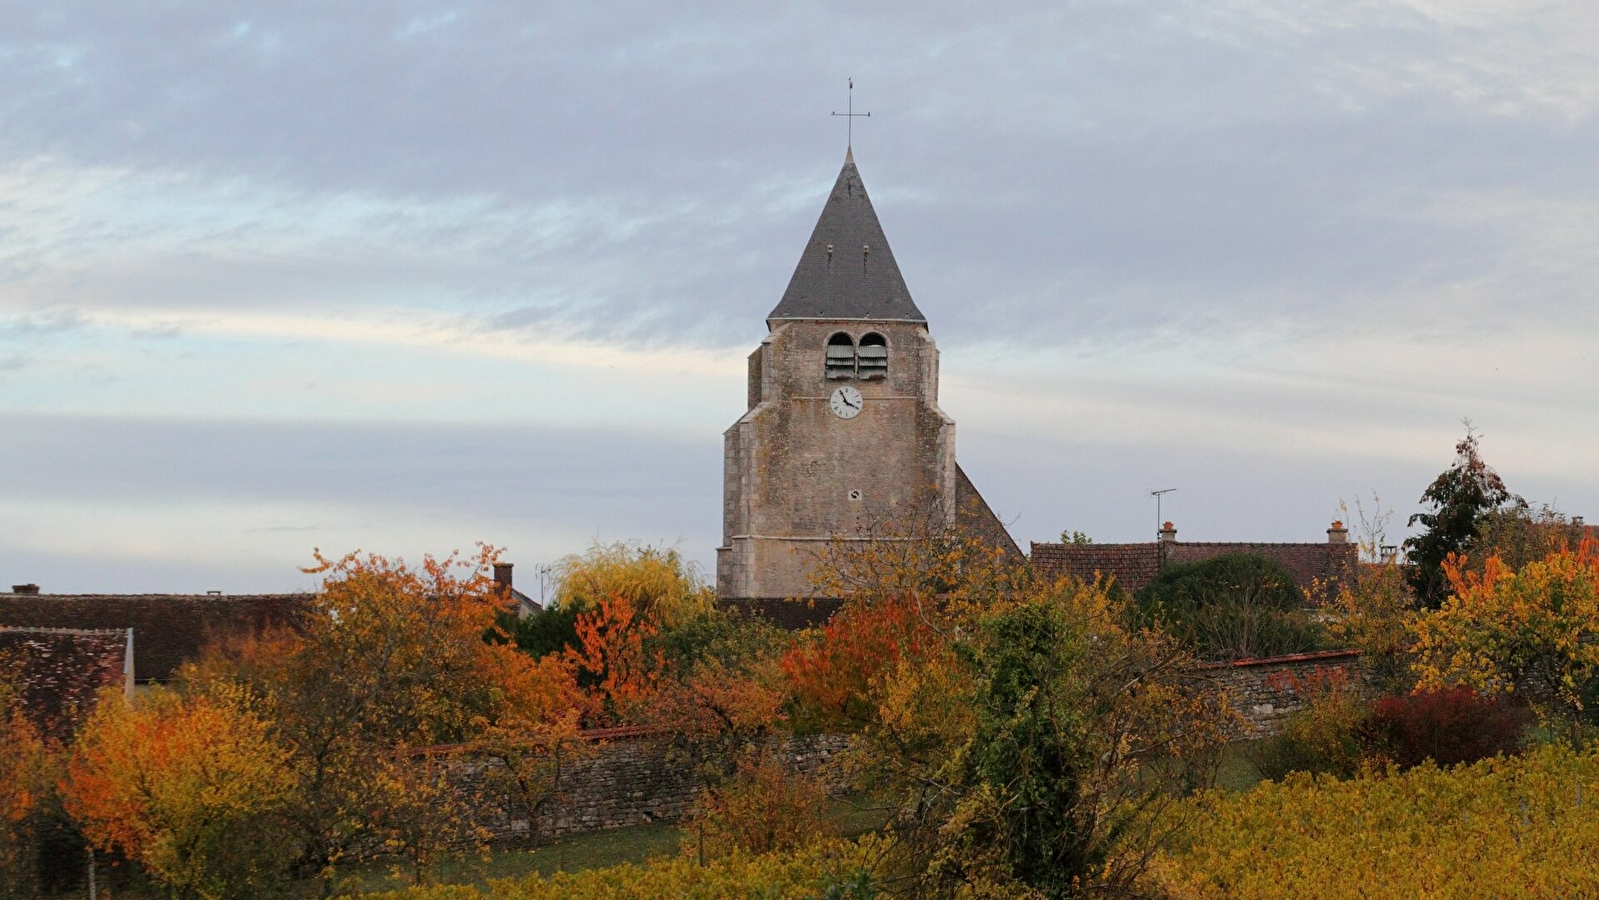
(1262, 689)
(636, 779)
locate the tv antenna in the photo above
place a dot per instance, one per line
(1157, 495)
(851, 116)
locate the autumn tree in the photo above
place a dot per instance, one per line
(662, 587)
(1532, 632)
(196, 789)
(1458, 502)
(389, 659)
(1024, 734)
(1520, 534)
(1372, 605)
(27, 788)
(1081, 727)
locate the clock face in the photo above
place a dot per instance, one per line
(846, 403)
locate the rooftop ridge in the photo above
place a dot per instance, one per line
(39, 629)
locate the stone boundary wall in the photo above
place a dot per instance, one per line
(628, 777)
(1261, 689)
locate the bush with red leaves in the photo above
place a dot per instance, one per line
(1449, 727)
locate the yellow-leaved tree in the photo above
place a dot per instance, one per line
(196, 789)
(661, 586)
(1532, 632)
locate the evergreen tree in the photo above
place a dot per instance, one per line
(1459, 501)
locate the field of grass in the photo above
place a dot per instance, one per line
(1237, 773)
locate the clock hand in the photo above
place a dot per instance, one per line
(849, 404)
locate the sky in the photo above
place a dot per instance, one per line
(404, 277)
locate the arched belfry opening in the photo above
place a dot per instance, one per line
(872, 358)
(840, 356)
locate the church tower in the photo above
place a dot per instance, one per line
(843, 432)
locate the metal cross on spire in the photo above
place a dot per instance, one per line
(850, 117)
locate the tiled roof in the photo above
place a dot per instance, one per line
(61, 671)
(1135, 565)
(846, 270)
(167, 628)
(1130, 565)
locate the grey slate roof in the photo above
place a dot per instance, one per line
(847, 283)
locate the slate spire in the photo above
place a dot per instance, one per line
(847, 270)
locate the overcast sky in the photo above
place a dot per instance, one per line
(406, 276)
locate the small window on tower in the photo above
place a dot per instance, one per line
(874, 356)
(840, 356)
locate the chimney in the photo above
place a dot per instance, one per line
(1337, 534)
(1577, 521)
(502, 577)
(24, 589)
(1168, 533)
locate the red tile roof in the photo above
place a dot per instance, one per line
(61, 671)
(1135, 565)
(168, 629)
(1130, 565)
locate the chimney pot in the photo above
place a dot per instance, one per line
(24, 589)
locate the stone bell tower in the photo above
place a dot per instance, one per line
(843, 434)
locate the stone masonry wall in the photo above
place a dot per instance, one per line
(1261, 689)
(633, 779)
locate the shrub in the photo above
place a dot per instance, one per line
(1237, 606)
(1449, 727)
(1520, 827)
(764, 808)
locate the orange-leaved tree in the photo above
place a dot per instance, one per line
(1532, 632)
(391, 658)
(613, 657)
(832, 672)
(196, 789)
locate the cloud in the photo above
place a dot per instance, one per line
(121, 489)
(302, 255)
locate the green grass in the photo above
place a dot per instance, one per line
(573, 853)
(1236, 772)
(570, 854)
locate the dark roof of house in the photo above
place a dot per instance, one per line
(836, 278)
(976, 518)
(1129, 565)
(168, 629)
(790, 614)
(59, 672)
(1320, 564)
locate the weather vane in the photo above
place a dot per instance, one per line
(851, 116)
